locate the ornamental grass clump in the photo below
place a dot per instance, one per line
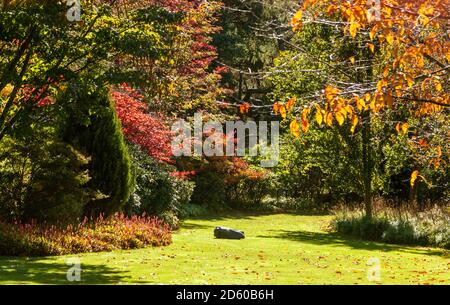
(430, 227)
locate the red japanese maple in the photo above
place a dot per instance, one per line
(140, 127)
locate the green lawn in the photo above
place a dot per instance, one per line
(279, 249)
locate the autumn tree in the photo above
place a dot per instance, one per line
(41, 49)
(179, 81)
(404, 64)
(68, 67)
(147, 130)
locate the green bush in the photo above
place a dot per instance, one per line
(250, 190)
(99, 134)
(222, 183)
(56, 192)
(43, 179)
(192, 210)
(170, 218)
(157, 191)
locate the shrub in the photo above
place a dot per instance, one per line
(42, 178)
(170, 218)
(210, 189)
(427, 228)
(192, 210)
(115, 232)
(56, 191)
(158, 191)
(146, 130)
(226, 182)
(102, 139)
(250, 189)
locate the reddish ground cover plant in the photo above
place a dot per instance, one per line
(102, 234)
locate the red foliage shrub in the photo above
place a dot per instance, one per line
(184, 175)
(232, 169)
(224, 180)
(140, 127)
(147, 131)
(113, 233)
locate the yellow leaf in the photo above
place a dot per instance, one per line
(329, 119)
(405, 128)
(305, 125)
(352, 60)
(295, 128)
(340, 118)
(355, 121)
(424, 12)
(290, 104)
(414, 176)
(360, 103)
(319, 116)
(381, 84)
(388, 11)
(373, 105)
(429, 10)
(7, 90)
(330, 10)
(386, 71)
(371, 47)
(353, 29)
(349, 109)
(331, 92)
(410, 81)
(298, 15)
(373, 32)
(296, 21)
(398, 127)
(305, 113)
(282, 110)
(276, 108)
(438, 85)
(305, 122)
(390, 38)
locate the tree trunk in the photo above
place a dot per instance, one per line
(367, 163)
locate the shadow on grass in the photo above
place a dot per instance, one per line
(335, 239)
(187, 224)
(225, 216)
(49, 271)
(234, 214)
(194, 226)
